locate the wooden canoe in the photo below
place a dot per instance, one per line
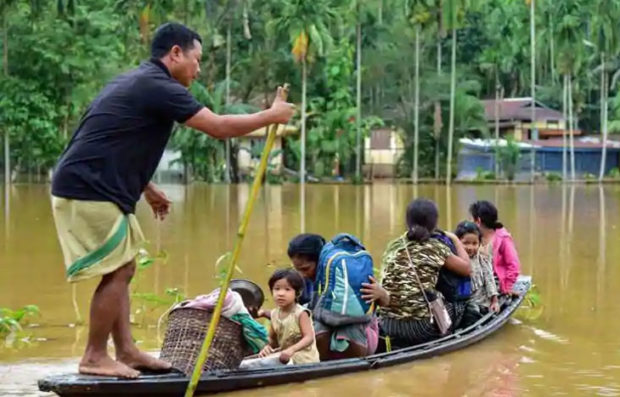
(174, 384)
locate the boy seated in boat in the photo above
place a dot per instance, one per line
(338, 336)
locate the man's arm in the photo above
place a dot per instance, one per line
(230, 126)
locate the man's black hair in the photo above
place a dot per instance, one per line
(170, 34)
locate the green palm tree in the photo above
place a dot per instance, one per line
(360, 12)
(419, 16)
(437, 124)
(306, 23)
(232, 7)
(570, 28)
(5, 7)
(604, 17)
(453, 12)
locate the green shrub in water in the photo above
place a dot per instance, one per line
(13, 321)
(484, 175)
(509, 157)
(553, 177)
(589, 177)
(532, 308)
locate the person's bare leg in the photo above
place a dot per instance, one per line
(104, 310)
(126, 350)
(323, 341)
(354, 350)
(322, 345)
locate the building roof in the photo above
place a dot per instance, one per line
(581, 143)
(519, 109)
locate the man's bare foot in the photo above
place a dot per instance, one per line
(106, 366)
(140, 360)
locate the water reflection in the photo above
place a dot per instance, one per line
(529, 268)
(7, 209)
(302, 207)
(602, 247)
(561, 233)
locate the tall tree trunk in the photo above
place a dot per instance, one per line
(452, 99)
(564, 137)
(603, 117)
(571, 126)
(5, 62)
(380, 13)
(533, 88)
(416, 106)
(438, 106)
(496, 156)
(358, 119)
(228, 60)
(552, 51)
(302, 168)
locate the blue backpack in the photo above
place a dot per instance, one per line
(344, 264)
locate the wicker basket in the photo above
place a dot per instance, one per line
(185, 335)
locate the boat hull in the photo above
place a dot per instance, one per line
(174, 384)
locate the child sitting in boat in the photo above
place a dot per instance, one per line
(484, 290)
(345, 337)
(291, 325)
(498, 243)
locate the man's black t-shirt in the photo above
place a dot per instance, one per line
(120, 140)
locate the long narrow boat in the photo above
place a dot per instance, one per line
(174, 384)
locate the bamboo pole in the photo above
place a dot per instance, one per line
(256, 185)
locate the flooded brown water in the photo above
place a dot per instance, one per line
(567, 239)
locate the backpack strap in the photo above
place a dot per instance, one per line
(342, 237)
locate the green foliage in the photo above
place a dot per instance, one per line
(553, 177)
(483, 175)
(148, 305)
(12, 324)
(614, 173)
(532, 307)
(61, 53)
(508, 156)
(589, 177)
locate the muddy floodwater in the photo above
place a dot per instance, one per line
(568, 238)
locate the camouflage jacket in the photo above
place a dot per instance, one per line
(398, 277)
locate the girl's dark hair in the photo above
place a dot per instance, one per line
(487, 213)
(291, 276)
(422, 215)
(467, 227)
(306, 245)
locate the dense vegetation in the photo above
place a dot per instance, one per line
(420, 59)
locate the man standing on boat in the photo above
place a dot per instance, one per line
(106, 167)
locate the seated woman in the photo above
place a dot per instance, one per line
(497, 242)
(406, 319)
(345, 340)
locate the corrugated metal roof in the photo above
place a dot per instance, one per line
(518, 109)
